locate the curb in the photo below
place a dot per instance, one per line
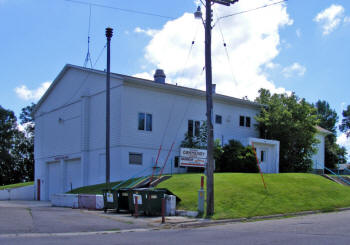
(203, 223)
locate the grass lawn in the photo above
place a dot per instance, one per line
(3, 187)
(243, 195)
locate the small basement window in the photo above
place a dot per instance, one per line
(135, 158)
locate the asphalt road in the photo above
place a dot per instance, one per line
(327, 228)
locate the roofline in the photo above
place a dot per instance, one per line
(323, 130)
(187, 90)
(144, 82)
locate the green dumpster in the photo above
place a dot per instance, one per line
(110, 199)
(123, 199)
(149, 201)
(116, 199)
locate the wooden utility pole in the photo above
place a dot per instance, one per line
(209, 93)
(109, 34)
(209, 99)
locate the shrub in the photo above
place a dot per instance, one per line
(237, 158)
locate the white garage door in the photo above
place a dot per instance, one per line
(73, 174)
(55, 180)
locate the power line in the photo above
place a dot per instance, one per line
(250, 10)
(122, 9)
(227, 54)
(99, 56)
(190, 50)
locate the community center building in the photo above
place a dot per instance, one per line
(146, 115)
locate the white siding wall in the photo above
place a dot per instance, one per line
(70, 124)
(170, 115)
(319, 158)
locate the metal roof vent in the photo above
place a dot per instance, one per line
(159, 76)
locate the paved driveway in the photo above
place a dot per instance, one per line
(39, 217)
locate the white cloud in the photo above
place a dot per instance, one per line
(272, 65)
(253, 41)
(148, 32)
(25, 93)
(342, 140)
(298, 33)
(294, 70)
(330, 18)
(144, 75)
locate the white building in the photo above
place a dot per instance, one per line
(70, 128)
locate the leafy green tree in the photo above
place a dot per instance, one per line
(236, 158)
(16, 148)
(8, 136)
(328, 118)
(292, 121)
(345, 123)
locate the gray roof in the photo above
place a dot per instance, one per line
(146, 83)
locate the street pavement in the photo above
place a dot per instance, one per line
(325, 228)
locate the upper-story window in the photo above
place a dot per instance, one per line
(218, 119)
(247, 122)
(244, 121)
(145, 122)
(241, 121)
(193, 128)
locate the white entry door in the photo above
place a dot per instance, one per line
(264, 160)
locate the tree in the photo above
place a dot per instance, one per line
(292, 121)
(8, 136)
(25, 147)
(236, 158)
(328, 118)
(17, 147)
(345, 123)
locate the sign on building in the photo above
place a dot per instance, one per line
(193, 157)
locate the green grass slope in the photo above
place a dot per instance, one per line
(243, 195)
(3, 187)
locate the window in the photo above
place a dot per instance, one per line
(197, 125)
(135, 158)
(241, 121)
(193, 128)
(244, 121)
(218, 119)
(247, 122)
(145, 121)
(176, 162)
(262, 154)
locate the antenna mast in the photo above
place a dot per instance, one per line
(88, 57)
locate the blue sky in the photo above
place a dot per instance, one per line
(298, 46)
